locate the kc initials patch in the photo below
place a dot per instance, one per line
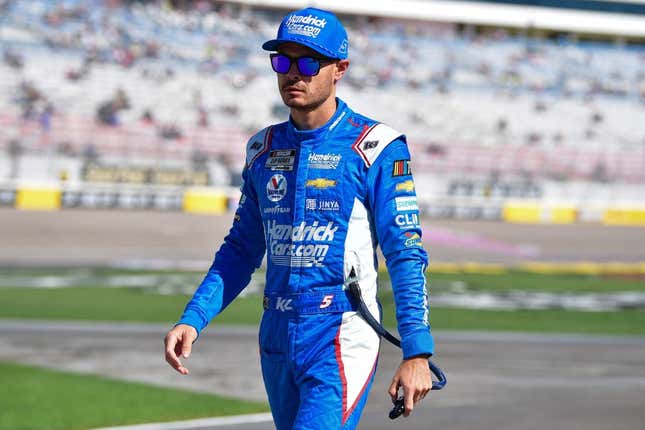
(283, 305)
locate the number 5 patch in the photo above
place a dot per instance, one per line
(326, 301)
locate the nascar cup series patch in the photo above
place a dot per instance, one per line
(281, 159)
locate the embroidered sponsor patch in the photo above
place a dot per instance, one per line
(407, 186)
(401, 168)
(281, 159)
(308, 26)
(370, 144)
(302, 245)
(326, 301)
(321, 183)
(274, 210)
(283, 305)
(406, 203)
(407, 220)
(276, 187)
(324, 161)
(322, 205)
(412, 239)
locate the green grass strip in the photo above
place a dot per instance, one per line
(627, 323)
(524, 281)
(36, 399)
(92, 304)
(134, 305)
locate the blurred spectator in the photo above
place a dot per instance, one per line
(27, 98)
(90, 154)
(45, 122)
(202, 117)
(170, 132)
(147, 117)
(599, 173)
(502, 126)
(76, 74)
(12, 59)
(107, 111)
(199, 160)
(14, 150)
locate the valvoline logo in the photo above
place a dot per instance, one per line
(276, 188)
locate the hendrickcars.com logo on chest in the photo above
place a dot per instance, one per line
(286, 247)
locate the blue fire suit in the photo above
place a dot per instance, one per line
(318, 202)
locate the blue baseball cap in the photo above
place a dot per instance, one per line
(314, 28)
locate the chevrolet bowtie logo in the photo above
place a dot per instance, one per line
(321, 183)
(405, 186)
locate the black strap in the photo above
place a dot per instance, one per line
(361, 307)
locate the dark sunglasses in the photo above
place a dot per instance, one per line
(307, 66)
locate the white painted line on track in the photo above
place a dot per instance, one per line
(198, 423)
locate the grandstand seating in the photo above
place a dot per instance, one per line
(471, 105)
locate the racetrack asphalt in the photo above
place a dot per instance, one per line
(496, 380)
(171, 239)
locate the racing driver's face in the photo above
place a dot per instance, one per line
(298, 89)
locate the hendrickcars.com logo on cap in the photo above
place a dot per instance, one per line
(309, 25)
(317, 29)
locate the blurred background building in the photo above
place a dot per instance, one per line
(530, 111)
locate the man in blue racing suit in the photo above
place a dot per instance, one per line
(320, 192)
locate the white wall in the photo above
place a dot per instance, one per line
(478, 13)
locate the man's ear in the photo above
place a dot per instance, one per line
(341, 68)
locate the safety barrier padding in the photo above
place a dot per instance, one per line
(522, 212)
(204, 201)
(42, 199)
(624, 216)
(534, 213)
(563, 214)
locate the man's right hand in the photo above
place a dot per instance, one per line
(179, 342)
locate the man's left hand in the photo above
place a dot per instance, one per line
(413, 375)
